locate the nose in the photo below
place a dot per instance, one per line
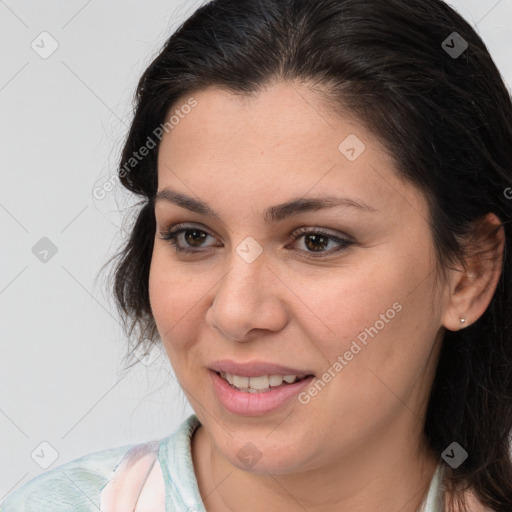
(248, 299)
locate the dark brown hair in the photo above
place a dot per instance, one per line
(447, 121)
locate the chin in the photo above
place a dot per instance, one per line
(260, 455)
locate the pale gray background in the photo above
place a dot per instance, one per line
(62, 124)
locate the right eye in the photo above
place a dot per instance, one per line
(185, 237)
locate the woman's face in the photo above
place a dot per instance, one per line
(273, 284)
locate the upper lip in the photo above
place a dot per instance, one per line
(256, 368)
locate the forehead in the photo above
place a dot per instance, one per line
(279, 142)
(282, 114)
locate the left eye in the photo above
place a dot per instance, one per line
(314, 240)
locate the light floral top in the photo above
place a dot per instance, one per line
(157, 476)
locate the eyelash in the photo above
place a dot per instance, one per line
(171, 236)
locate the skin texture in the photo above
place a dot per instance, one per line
(357, 445)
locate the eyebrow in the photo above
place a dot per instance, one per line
(273, 214)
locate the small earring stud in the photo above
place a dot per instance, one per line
(462, 322)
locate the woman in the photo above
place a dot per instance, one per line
(322, 251)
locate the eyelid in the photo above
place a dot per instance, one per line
(303, 229)
(344, 241)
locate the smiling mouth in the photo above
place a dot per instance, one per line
(260, 384)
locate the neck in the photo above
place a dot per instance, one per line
(386, 474)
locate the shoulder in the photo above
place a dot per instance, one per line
(71, 487)
(102, 479)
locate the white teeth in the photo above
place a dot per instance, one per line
(240, 382)
(259, 383)
(275, 380)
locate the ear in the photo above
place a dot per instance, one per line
(472, 285)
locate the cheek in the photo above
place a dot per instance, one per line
(179, 303)
(371, 305)
(378, 348)
(371, 318)
(334, 311)
(172, 297)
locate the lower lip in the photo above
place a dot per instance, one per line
(255, 404)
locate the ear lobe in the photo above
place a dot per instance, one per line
(474, 283)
